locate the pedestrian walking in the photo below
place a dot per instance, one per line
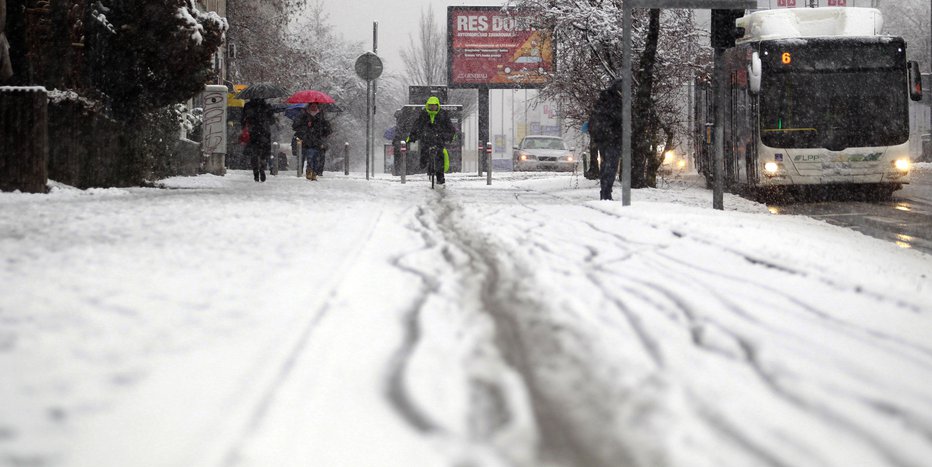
(606, 135)
(258, 117)
(312, 129)
(435, 130)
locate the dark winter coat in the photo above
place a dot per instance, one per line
(437, 134)
(605, 120)
(313, 130)
(259, 116)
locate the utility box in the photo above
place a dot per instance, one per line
(214, 130)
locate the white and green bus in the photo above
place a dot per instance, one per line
(817, 96)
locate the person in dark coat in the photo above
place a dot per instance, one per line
(435, 130)
(258, 117)
(312, 129)
(606, 134)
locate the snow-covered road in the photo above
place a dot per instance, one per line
(223, 322)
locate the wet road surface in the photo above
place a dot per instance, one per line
(906, 219)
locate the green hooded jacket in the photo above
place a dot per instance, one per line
(433, 114)
(432, 129)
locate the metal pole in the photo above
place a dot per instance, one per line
(404, 162)
(368, 123)
(513, 142)
(692, 120)
(626, 108)
(346, 158)
(488, 154)
(375, 50)
(483, 124)
(300, 159)
(527, 126)
(718, 163)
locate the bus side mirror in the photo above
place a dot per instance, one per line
(754, 74)
(915, 81)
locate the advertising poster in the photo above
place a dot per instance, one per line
(495, 49)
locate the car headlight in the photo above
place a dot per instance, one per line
(527, 157)
(902, 165)
(569, 158)
(771, 168)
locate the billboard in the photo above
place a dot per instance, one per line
(487, 47)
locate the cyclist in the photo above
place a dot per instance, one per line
(435, 130)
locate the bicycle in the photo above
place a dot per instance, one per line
(431, 160)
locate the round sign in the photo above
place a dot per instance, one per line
(369, 66)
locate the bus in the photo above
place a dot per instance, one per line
(815, 97)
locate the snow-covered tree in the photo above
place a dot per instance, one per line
(425, 58)
(910, 19)
(587, 34)
(148, 54)
(320, 59)
(425, 61)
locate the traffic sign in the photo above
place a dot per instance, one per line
(369, 66)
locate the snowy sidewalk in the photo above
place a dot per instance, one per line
(224, 322)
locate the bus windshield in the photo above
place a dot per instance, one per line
(860, 100)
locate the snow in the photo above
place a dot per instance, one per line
(345, 322)
(191, 24)
(810, 22)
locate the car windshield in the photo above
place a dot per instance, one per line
(543, 143)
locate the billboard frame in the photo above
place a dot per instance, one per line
(450, 81)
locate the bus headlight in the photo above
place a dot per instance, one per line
(771, 168)
(902, 165)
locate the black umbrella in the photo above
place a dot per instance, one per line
(262, 91)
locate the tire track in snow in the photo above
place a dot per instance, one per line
(710, 281)
(750, 355)
(497, 404)
(396, 392)
(561, 433)
(497, 299)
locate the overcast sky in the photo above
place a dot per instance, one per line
(398, 19)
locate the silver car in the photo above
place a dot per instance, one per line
(540, 152)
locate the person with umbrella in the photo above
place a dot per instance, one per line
(312, 129)
(258, 117)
